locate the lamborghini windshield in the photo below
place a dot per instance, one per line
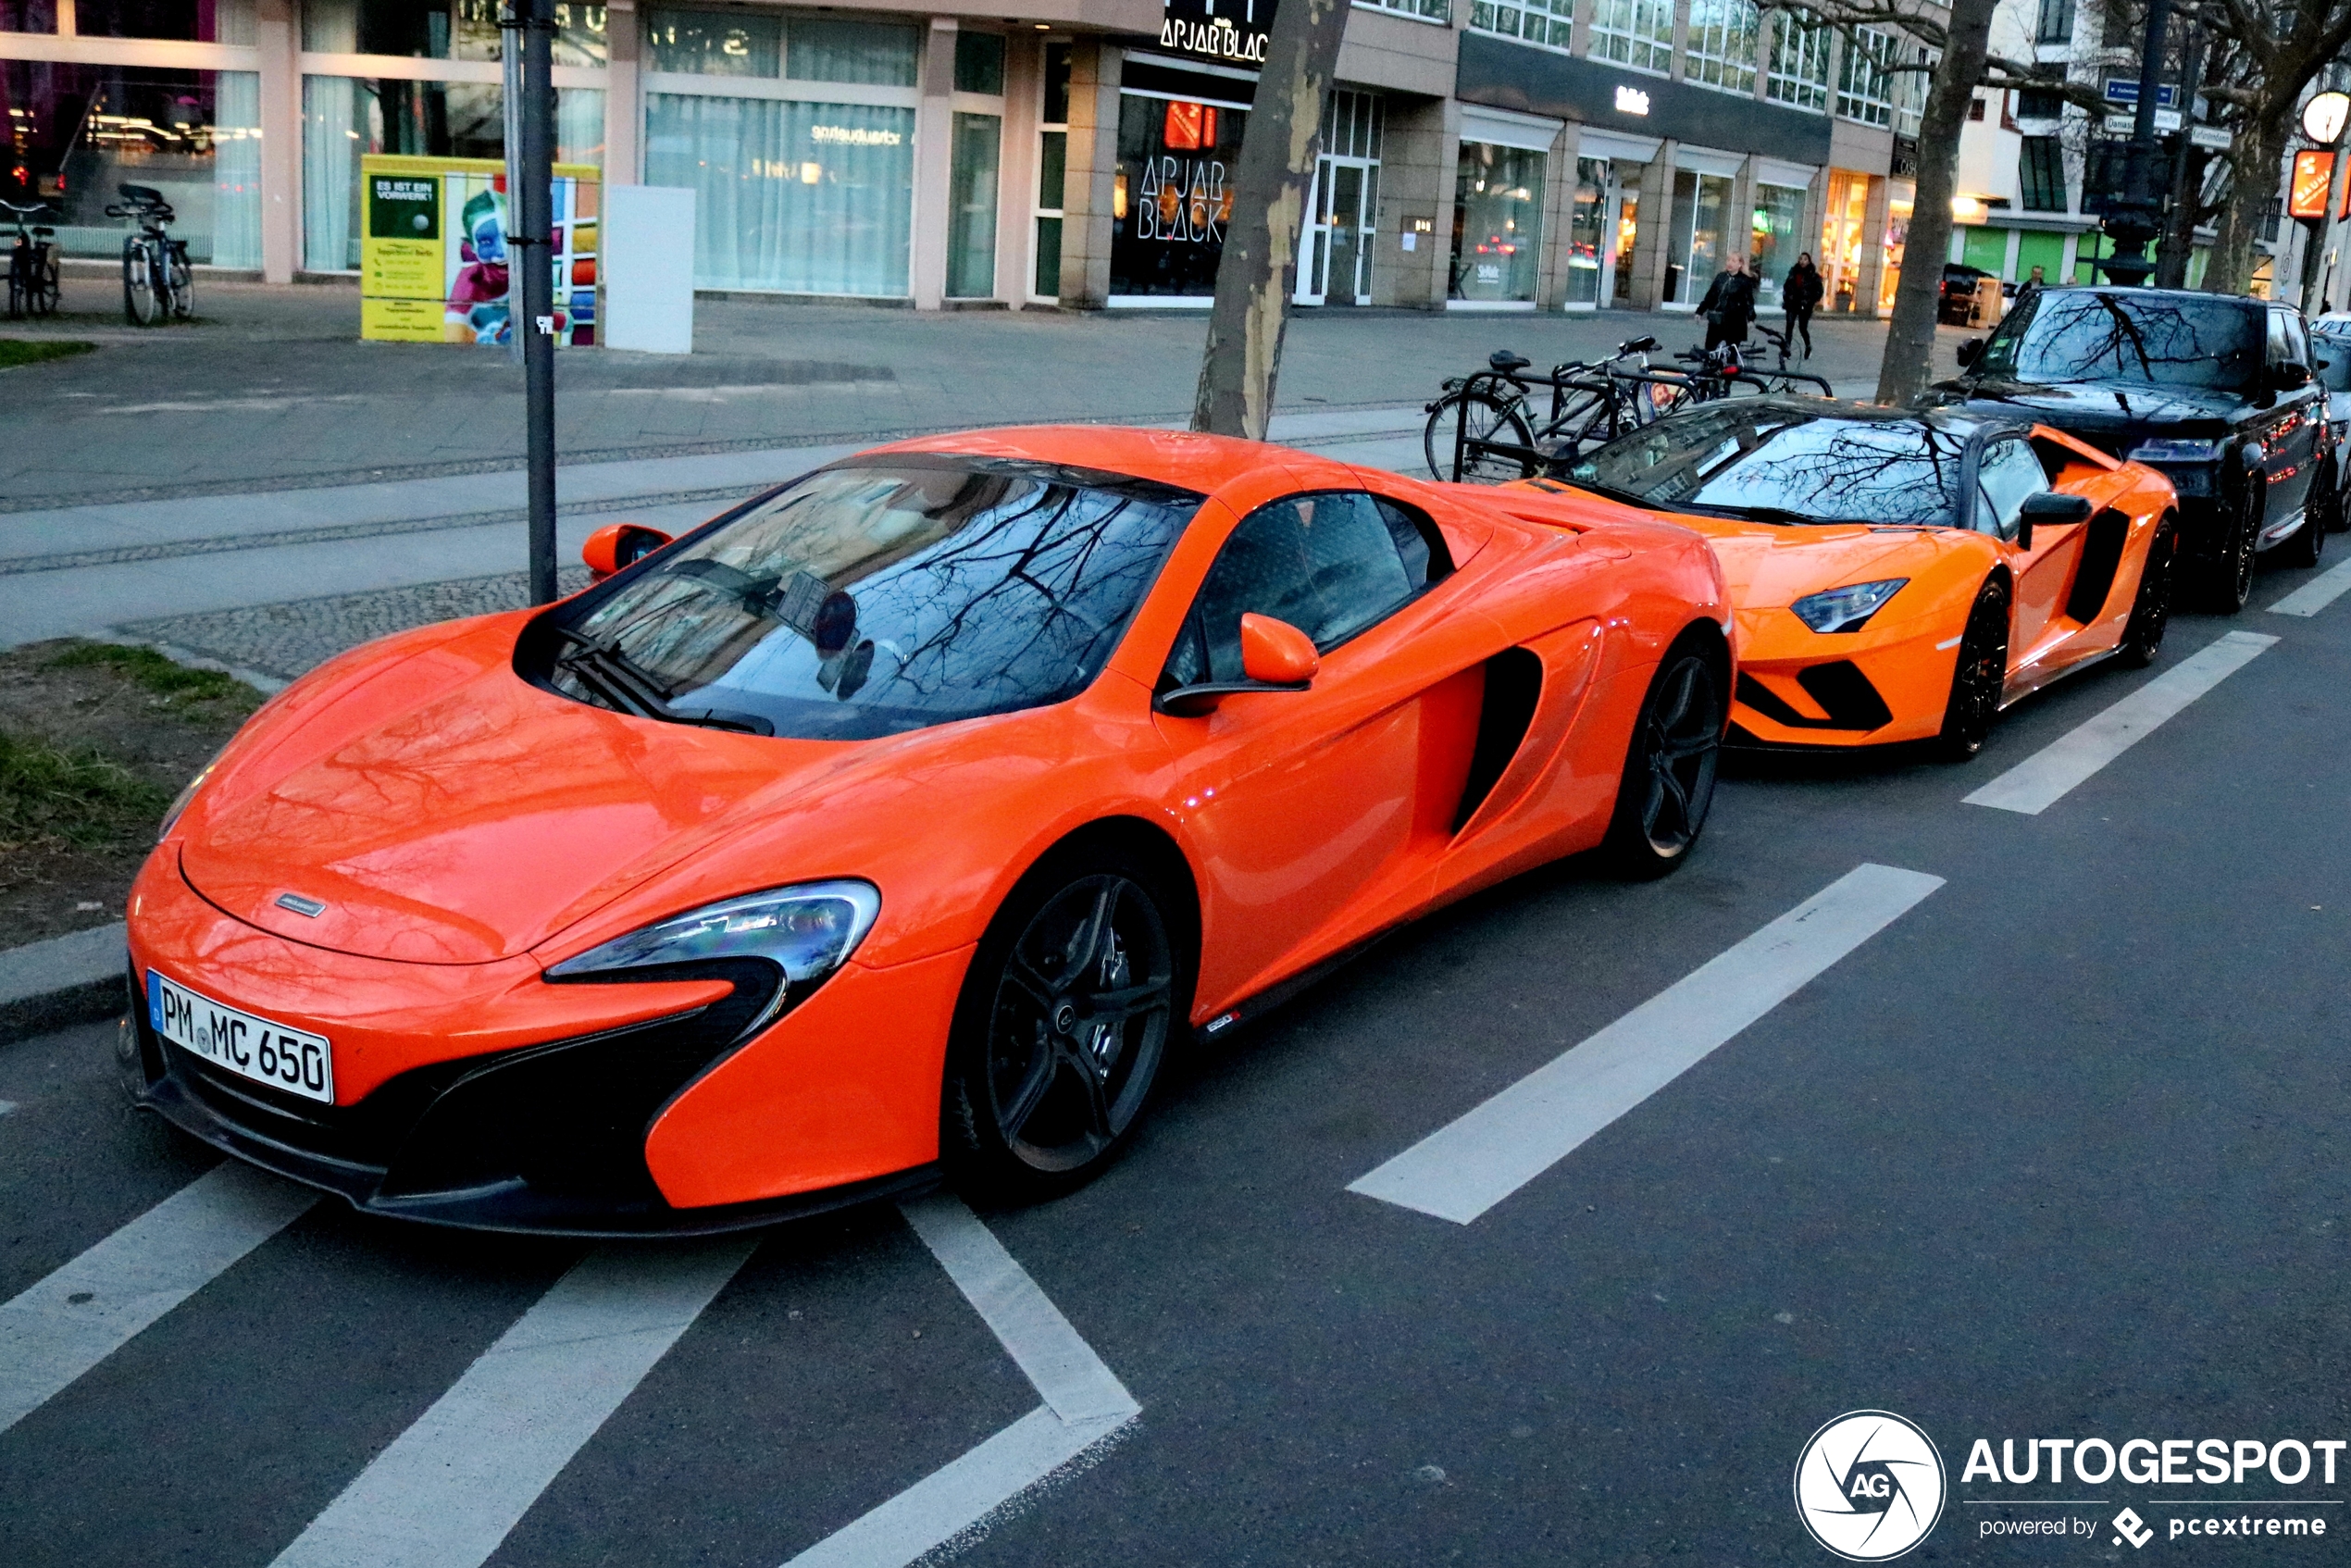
(1774, 462)
(878, 597)
(2164, 339)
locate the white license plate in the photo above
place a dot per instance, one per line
(250, 1047)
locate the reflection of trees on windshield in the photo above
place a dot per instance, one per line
(1826, 470)
(873, 599)
(2072, 335)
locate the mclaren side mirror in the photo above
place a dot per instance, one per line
(1275, 656)
(617, 547)
(1970, 351)
(2049, 508)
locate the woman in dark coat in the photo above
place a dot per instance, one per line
(1729, 305)
(1801, 295)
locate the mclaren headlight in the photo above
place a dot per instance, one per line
(180, 801)
(2176, 452)
(1846, 609)
(808, 931)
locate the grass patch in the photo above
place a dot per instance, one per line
(34, 350)
(146, 667)
(71, 795)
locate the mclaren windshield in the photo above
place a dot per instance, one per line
(874, 598)
(2067, 335)
(1773, 462)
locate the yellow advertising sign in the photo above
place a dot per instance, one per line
(434, 263)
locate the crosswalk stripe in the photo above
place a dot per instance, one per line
(60, 1327)
(1085, 1404)
(2045, 777)
(1469, 1164)
(452, 1486)
(2316, 593)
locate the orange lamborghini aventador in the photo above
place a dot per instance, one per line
(910, 811)
(1902, 576)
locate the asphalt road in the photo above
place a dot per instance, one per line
(2054, 1154)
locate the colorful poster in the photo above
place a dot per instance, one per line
(435, 261)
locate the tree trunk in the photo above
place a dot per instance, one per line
(1910, 336)
(2253, 185)
(1259, 268)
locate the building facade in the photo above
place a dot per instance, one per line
(1478, 155)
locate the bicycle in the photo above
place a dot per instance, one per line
(1482, 430)
(32, 263)
(156, 280)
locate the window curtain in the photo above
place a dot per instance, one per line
(236, 169)
(796, 198)
(332, 139)
(579, 125)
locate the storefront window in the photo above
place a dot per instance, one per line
(1497, 223)
(446, 29)
(1696, 235)
(1053, 170)
(200, 21)
(28, 16)
(1901, 197)
(1778, 210)
(979, 63)
(1841, 229)
(346, 117)
(792, 198)
(794, 47)
(77, 132)
(971, 228)
(1172, 195)
(1587, 232)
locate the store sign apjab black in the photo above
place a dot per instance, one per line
(1228, 31)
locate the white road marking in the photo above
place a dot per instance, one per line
(2316, 594)
(1085, 1403)
(1461, 1170)
(2044, 778)
(64, 1325)
(452, 1486)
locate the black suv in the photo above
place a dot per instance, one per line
(2214, 390)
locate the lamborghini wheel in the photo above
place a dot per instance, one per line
(1980, 675)
(2151, 611)
(1669, 770)
(1061, 1027)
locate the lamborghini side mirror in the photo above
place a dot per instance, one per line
(619, 546)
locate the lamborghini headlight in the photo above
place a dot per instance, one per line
(808, 931)
(1846, 609)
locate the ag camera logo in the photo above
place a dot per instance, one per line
(1869, 1486)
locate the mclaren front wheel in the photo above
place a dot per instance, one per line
(1668, 787)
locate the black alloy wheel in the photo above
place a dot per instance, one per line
(1486, 418)
(2151, 610)
(1062, 1025)
(1668, 769)
(2230, 586)
(1980, 677)
(2306, 543)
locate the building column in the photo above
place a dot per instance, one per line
(1088, 195)
(1413, 149)
(277, 32)
(1559, 215)
(934, 157)
(1016, 168)
(1873, 269)
(1653, 227)
(624, 105)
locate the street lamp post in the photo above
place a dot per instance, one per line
(2134, 222)
(532, 23)
(2323, 122)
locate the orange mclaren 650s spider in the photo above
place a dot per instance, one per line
(904, 816)
(1901, 575)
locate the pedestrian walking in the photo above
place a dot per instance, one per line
(1801, 295)
(1729, 305)
(2025, 291)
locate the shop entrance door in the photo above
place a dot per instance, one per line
(1624, 227)
(1339, 258)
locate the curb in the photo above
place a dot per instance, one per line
(69, 979)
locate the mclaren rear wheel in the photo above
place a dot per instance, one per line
(1064, 1019)
(1980, 677)
(2151, 611)
(1669, 770)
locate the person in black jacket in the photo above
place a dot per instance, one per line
(1729, 305)
(1801, 295)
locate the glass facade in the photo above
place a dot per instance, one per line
(1052, 173)
(792, 197)
(779, 47)
(1172, 194)
(1723, 38)
(971, 229)
(1550, 23)
(1801, 56)
(1695, 238)
(1779, 212)
(1497, 224)
(1588, 232)
(445, 30)
(1633, 32)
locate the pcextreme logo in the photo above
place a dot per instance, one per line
(1869, 1486)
